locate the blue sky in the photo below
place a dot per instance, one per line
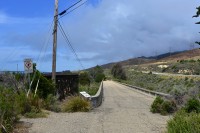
(101, 31)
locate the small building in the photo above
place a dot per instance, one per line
(66, 83)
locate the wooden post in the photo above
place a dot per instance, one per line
(55, 42)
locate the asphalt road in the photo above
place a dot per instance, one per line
(171, 74)
(124, 110)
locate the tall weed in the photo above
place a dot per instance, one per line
(77, 104)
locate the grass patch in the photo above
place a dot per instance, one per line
(76, 104)
(92, 89)
(36, 115)
(184, 122)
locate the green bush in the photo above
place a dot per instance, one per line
(50, 103)
(13, 104)
(156, 105)
(8, 109)
(76, 104)
(168, 107)
(84, 78)
(118, 72)
(192, 105)
(23, 103)
(35, 101)
(45, 86)
(99, 77)
(164, 107)
(184, 122)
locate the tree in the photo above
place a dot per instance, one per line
(84, 78)
(99, 77)
(97, 73)
(197, 15)
(45, 86)
(118, 72)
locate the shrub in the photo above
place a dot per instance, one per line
(97, 74)
(150, 73)
(8, 109)
(50, 103)
(45, 86)
(84, 78)
(156, 105)
(118, 72)
(76, 104)
(35, 101)
(184, 123)
(23, 103)
(192, 105)
(164, 107)
(99, 77)
(168, 107)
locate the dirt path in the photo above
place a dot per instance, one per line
(123, 111)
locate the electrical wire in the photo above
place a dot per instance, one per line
(63, 12)
(45, 42)
(69, 44)
(63, 33)
(72, 9)
(44, 48)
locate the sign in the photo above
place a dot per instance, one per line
(85, 94)
(28, 66)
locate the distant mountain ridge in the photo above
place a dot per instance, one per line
(178, 55)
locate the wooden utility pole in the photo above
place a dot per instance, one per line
(55, 42)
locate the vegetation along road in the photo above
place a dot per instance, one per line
(124, 110)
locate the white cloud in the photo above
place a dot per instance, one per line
(110, 31)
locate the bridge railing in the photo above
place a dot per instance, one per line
(97, 99)
(154, 93)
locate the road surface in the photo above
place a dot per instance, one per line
(171, 74)
(124, 110)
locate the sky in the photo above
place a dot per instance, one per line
(100, 31)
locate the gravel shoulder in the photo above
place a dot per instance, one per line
(124, 110)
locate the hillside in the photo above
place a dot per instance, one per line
(133, 61)
(167, 57)
(190, 54)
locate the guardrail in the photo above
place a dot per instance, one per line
(97, 99)
(154, 93)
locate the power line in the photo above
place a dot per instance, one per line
(69, 44)
(43, 51)
(62, 14)
(45, 42)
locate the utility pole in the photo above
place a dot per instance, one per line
(55, 42)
